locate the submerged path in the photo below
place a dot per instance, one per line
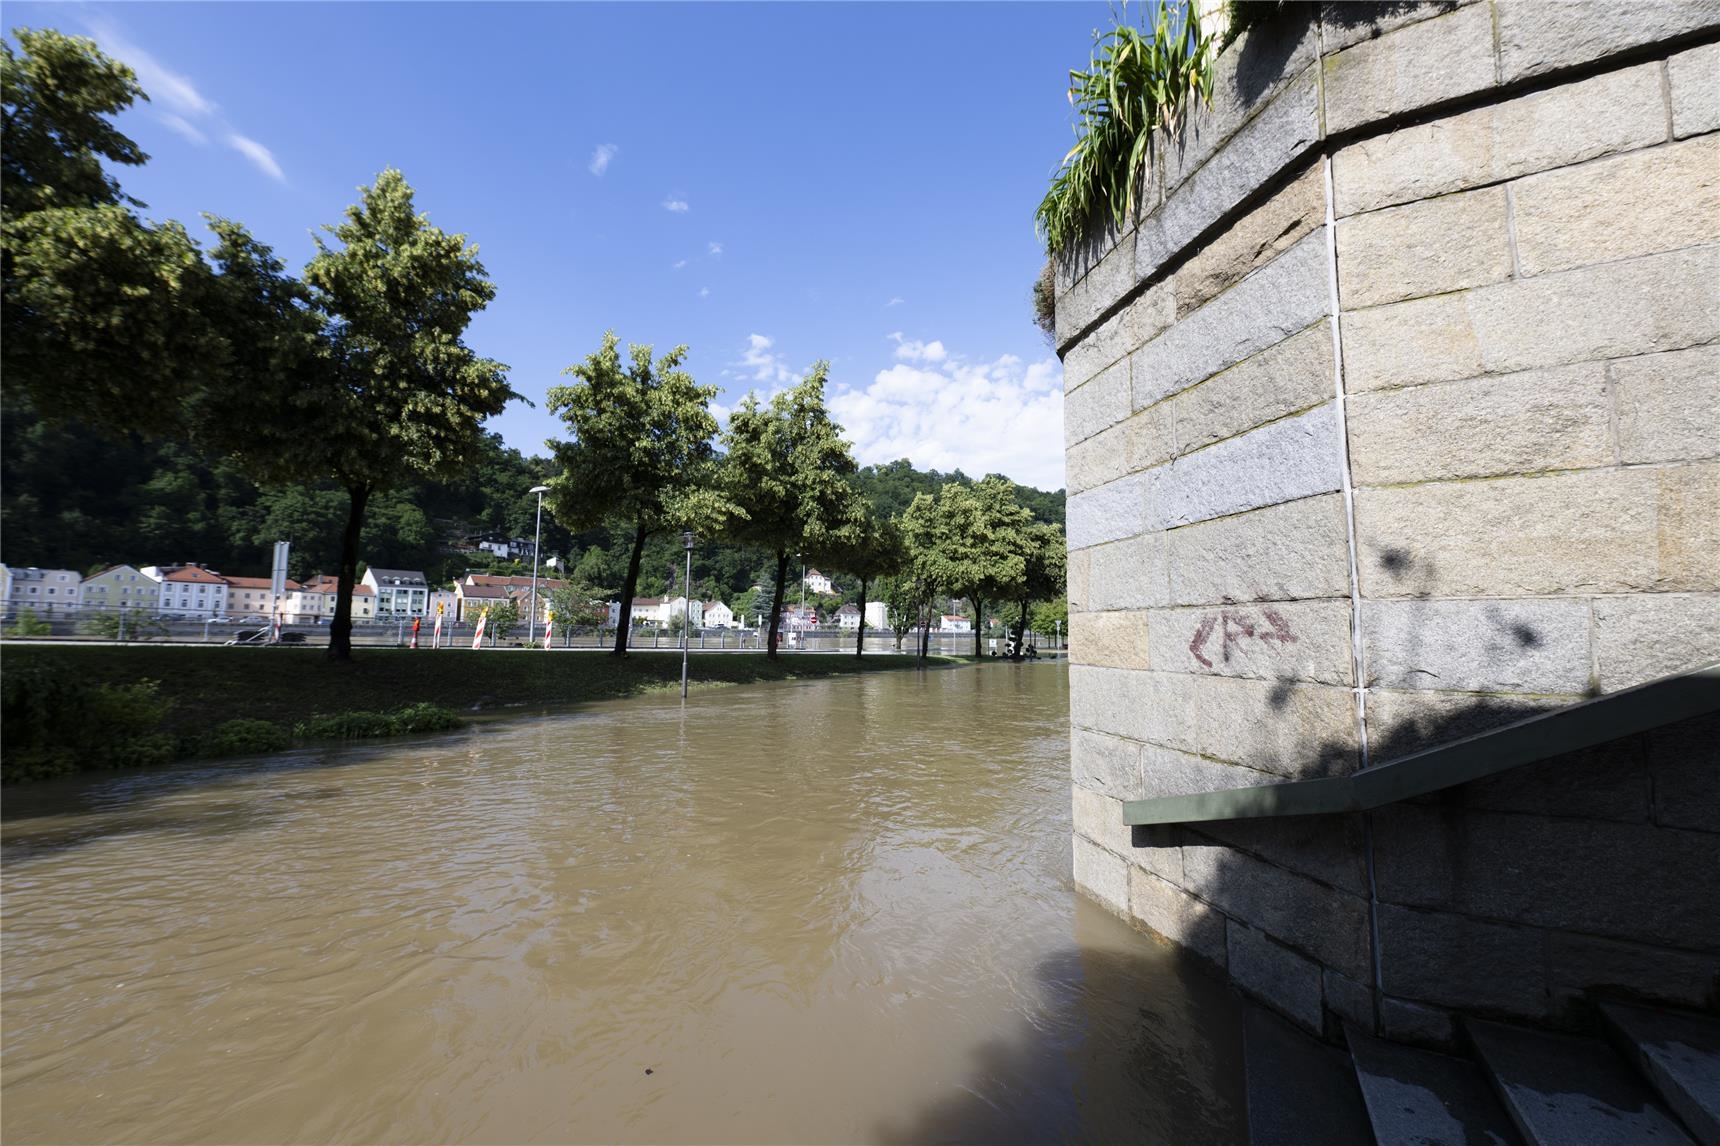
(830, 911)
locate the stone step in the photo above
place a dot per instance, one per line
(1678, 1052)
(1419, 1098)
(1299, 1089)
(1571, 1090)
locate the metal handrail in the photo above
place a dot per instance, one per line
(1484, 754)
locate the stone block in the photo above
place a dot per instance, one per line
(1584, 965)
(1073, 262)
(1477, 646)
(1402, 722)
(1328, 925)
(1089, 355)
(1110, 700)
(1289, 729)
(1412, 67)
(1533, 421)
(1614, 112)
(1252, 241)
(1406, 1022)
(1285, 378)
(1101, 458)
(1536, 38)
(1157, 849)
(1344, 23)
(1080, 579)
(1245, 78)
(1592, 531)
(1276, 975)
(1115, 640)
(1454, 961)
(1277, 136)
(1129, 574)
(1668, 405)
(1099, 289)
(1102, 875)
(1431, 247)
(1285, 552)
(1096, 404)
(1684, 759)
(1099, 818)
(1178, 916)
(1286, 460)
(1407, 343)
(1654, 303)
(1641, 638)
(1330, 849)
(1605, 782)
(1598, 877)
(1105, 764)
(1695, 95)
(1641, 203)
(1289, 640)
(1348, 1000)
(1109, 512)
(1169, 772)
(1268, 306)
(1151, 438)
(1150, 314)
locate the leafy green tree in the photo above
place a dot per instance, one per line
(978, 544)
(504, 619)
(29, 624)
(870, 548)
(917, 582)
(1051, 616)
(400, 393)
(786, 472)
(579, 605)
(1044, 568)
(640, 453)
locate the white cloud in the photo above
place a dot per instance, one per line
(1002, 416)
(913, 351)
(897, 301)
(716, 250)
(680, 263)
(601, 157)
(679, 206)
(704, 292)
(259, 155)
(763, 363)
(184, 127)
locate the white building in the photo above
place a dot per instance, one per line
(950, 623)
(817, 582)
(44, 590)
(848, 617)
(314, 601)
(399, 592)
(122, 587)
(252, 599)
(718, 616)
(677, 607)
(190, 591)
(877, 615)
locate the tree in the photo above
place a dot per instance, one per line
(913, 588)
(786, 474)
(578, 605)
(978, 543)
(871, 548)
(399, 392)
(1045, 565)
(504, 618)
(640, 453)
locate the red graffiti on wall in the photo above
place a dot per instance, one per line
(1236, 626)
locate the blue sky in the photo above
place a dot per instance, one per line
(768, 183)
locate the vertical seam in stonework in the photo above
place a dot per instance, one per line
(1511, 232)
(1665, 72)
(1356, 659)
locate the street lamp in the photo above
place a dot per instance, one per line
(687, 614)
(537, 544)
(802, 618)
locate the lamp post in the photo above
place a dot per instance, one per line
(537, 544)
(801, 619)
(687, 614)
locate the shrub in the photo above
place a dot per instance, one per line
(29, 624)
(243, 738)
(421, 717)
(56, 723)
(1138, 83)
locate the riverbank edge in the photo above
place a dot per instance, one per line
(204, 689)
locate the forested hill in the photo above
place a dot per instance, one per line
(72, 499)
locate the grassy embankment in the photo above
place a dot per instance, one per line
(71, 708)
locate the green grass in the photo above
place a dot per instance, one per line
(208, 687)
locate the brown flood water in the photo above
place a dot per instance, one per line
(836, 911)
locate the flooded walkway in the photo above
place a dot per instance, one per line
(836, 911)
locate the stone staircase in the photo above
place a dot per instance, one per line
(1653, 1078)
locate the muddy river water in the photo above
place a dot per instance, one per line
(831, 911)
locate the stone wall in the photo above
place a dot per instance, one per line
(1397, 414)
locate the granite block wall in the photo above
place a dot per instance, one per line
(1395, 415)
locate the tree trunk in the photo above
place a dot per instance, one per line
(978, 623)
(925, 629)
(776, 603)
(340, 629)
(860, 644)
(1021, 633)
(625, 617)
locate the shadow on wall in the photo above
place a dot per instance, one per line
(1135, 1042)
